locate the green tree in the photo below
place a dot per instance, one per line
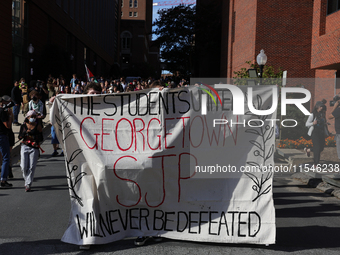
(175, 29)
(270, 76)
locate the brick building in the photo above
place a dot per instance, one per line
(325, 56)
(138, 56)
(64, 34)
(282, 28)
(301, 37)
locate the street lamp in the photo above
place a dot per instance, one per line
(261, 60)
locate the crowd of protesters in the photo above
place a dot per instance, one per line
(30, 100)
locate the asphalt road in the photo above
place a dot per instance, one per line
(307, 220)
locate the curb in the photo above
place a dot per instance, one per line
(292, 156)
(317, 183)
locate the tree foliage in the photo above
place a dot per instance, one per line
(269, 75)
(175, 35)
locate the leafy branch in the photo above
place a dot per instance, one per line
(65, 129)
(73, 183)
(266, 133)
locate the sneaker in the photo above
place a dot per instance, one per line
(17, 124)
(139, 241)
(61, 153)
(157, 238)
(27, 188)
(5, 184)
(54, 154)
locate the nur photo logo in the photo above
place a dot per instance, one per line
(204, 98)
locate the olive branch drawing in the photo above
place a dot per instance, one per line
(72, 184)
(266, 133)
(65, 129)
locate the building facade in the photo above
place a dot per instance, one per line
(138, 55)
(325, 57)
(63, 34)
(282, 28)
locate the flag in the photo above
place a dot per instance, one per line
(88, 73)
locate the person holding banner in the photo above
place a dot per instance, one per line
(30, 133)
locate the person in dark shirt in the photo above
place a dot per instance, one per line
(4, 140)
(335, 114)
(17, 99)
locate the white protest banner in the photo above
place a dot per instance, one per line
(148, 163)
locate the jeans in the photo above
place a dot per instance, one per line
(6, 156)
(29, 159)
(16, 109)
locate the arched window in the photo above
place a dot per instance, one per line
(126, 40)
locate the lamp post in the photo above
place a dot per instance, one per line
(30, 50)
(261, 60)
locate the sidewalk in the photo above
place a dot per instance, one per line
(326, 177)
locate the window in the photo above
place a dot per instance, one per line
(130, 4)
(121, 14)
(126, 40)
(135, 3)
(333, 6)
(122, 3)
(130, 14)
(135, 14)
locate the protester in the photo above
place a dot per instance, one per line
(67, 90)
(17, 99)
(31, 135)
(50, 87)
(25, 97)
(123, 84)
(4, 141)
(36, 104)
(54, 139)
(92, 88)
(335, 114)
(74, 81)
(157, 84)
(11, 137)
(61, 83)
(78, 89)
(316, 123)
